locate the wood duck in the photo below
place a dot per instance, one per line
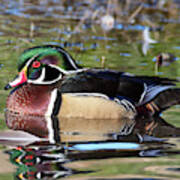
(109, 82)
(37, 99)
(105, 101)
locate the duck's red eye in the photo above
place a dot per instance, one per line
(36, 64)
(19, 148)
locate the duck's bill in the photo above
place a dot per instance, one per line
(7, 87)
(20, 79)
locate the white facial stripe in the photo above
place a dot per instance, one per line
(46, 82)
(69, 58)
(32, 59)
(48, 116)
(40, 80)
(60, 69)
(68, 72)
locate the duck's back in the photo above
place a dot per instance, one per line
(114, 84)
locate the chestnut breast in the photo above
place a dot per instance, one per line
(28, 101)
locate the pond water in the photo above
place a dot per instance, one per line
(119, 44)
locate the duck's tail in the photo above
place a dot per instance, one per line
(164, 100)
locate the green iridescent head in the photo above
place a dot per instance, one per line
(16, 155)
(49, 54)
(43, 65)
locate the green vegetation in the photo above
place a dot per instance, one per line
(6, 176)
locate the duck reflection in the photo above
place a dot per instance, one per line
(39, 162)
(146, 128)
(46, 161)
(36, 158)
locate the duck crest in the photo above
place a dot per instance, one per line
(50, 54)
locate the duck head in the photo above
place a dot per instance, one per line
(50, 54)
(37, 71)
(43, 65)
